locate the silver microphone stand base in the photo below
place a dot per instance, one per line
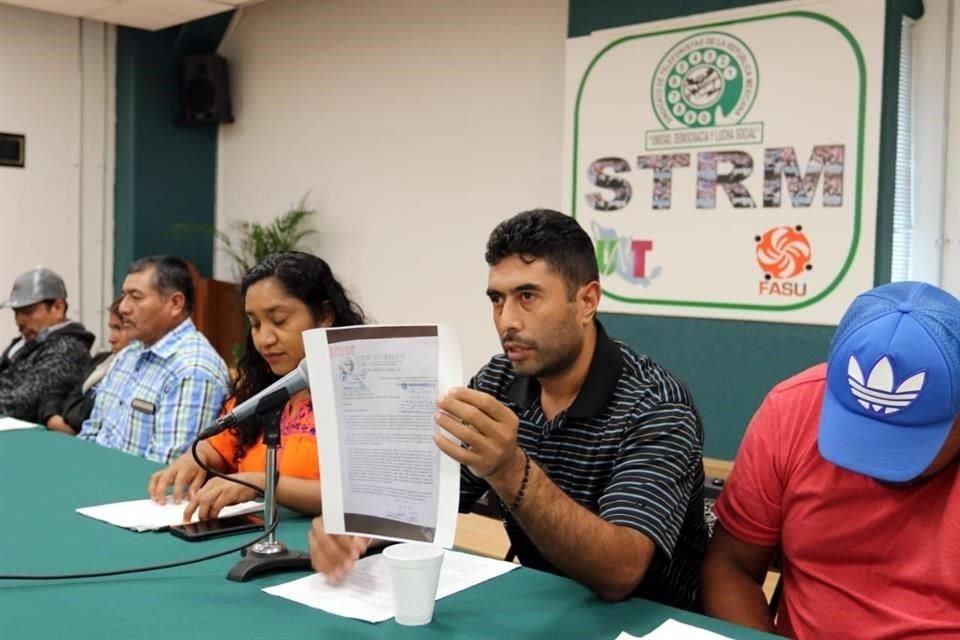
(263, 558)
(269, 555)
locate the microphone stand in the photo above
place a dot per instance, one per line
(268, 555)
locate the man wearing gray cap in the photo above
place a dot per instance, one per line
(40, 367)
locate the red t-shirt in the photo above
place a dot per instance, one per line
(861, 560)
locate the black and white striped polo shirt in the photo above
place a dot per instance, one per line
(629, 448)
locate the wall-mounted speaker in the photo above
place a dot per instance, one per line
(204, 91)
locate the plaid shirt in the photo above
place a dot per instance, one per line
(153, 401)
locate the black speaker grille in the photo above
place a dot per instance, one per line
(204, 91)
(199, 96)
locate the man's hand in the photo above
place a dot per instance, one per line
(334, 555)
(487, 428)
(219, 493)
(184, 475)
(57, 423)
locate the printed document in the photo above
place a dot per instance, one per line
(12, 424)
(674, 630)
(366, 593)
(374, 391)
(147, 515)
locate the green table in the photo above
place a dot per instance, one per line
(45, 476)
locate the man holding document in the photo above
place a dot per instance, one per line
(594, 451)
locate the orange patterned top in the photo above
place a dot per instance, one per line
(297, 456)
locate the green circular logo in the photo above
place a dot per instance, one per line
(707, 80)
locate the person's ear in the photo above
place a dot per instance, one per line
(177, 301)
(328, 317)
(588, 297)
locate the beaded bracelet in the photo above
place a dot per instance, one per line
(523, 483)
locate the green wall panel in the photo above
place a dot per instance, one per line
(165, 175)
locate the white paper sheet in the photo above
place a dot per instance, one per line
(365, 594)
(12, 424)
(147, 515)
(674, 630)
(374, 391)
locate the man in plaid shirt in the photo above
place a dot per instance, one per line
(169, 382)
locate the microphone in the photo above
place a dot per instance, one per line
(274, 395)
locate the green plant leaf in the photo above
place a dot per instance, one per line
(251, 242)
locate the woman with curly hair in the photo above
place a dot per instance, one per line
(284, 295)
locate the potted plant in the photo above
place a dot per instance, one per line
(248, 243)
(251, 242)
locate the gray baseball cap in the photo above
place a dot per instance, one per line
(35, 286)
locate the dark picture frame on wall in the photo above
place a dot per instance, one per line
(12, 149)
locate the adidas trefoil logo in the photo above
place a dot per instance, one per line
(876, 393)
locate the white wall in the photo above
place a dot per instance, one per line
(416, 126)
(57, 87)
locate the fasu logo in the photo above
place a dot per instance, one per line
(783, 253)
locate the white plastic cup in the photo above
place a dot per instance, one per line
(415, 574)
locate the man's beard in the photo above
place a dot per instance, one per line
(553, 361)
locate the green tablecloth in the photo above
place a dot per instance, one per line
(45, 476)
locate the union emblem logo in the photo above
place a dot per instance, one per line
(783, 252)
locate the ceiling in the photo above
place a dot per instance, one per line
(142, 14)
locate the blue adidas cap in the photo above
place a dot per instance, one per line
(893, 381)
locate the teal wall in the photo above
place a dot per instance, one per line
(730, 365)
(165, 175)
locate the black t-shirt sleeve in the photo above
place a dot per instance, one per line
(649, 488)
